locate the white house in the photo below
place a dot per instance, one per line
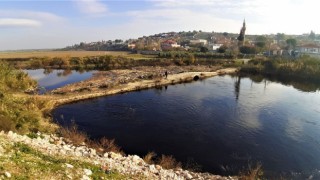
(199, 41)
(309, 49)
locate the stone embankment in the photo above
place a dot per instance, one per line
(131, 166)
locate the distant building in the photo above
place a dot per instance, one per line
(169, 44)
(132, 45)
(199, 41)
(214, 47)
(309, 49)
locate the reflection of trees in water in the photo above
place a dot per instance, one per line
(237, 86)
(299, 84)
(47, 71)
(66, 72)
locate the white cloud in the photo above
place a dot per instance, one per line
(263, 17)
(18, 22)
(91, 7)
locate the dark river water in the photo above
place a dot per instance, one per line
(222, 123)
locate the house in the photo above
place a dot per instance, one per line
(214, 47)
(309, 49)
(169, 44)
(199, 41)
(132, 45)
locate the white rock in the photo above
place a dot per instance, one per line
(85, 177)
(136, 159)
(153, 169)
(114, 155)
(106, 155)
(158, 167)
(7, 174)
(188, 176)
(69, 165)
(87, 172)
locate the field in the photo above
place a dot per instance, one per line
(62, 54)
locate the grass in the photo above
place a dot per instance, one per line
(304, 68)
(20, 112)
(167, 162)
(60, 54)
(67, 54)
(24, 162)
(253, 173)
(76, 137)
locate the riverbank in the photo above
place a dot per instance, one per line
(43, 156)
(121, 81)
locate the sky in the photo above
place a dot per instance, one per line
(42, 24)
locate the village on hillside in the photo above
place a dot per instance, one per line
(279, 44)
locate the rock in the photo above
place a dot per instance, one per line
(136, 159)
(114, 155)
(87, 172)
(188, 176)
(7, 174)
(85, 177)
(106, 155)
(158, 167)
(153, 169)
(69, 165)
(92, 152)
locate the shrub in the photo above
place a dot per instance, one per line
(72, 134)
(169, 162)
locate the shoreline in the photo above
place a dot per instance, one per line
(134, 86)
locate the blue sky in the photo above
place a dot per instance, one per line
(52, 24)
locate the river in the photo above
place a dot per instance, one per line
(222, 123)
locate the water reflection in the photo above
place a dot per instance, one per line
(52, 79)
(209, 122)
(302, 85)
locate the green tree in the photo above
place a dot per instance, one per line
(204, 49)
(261, 42)
(280, 36)
(291, 43)
(222, 49)
(248, 50)
(312, 35)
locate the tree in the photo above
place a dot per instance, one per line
(261, 41)
(222, 49)
(312, 35)
(203, 49)
(280, 36)
(247, 50)
(291, 43)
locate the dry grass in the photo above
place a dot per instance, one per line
(67, 54)
(150, 157)
(51, 54)
(253, 173)
(73, 135)
(105, 145)
(168, 162)
(76, 137)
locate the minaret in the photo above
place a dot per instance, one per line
(242, 34)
